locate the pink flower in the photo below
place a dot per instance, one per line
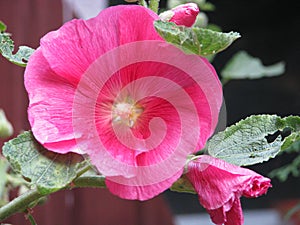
(220, 185)
(185, 14)
(111, 88)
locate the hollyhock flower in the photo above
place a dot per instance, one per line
(111, 88)
(185, 14)
(220, 185)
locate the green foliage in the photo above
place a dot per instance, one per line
(283, 172)
(252, 140)
(6, 128)
(46, 170)
(7, 49)
(244, 66)
(2, 27)
(195, 40)
(183, 185)
(291, 145)
(3, 181)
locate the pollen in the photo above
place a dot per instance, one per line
(126, 112)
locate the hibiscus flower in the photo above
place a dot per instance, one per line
(111, 88)
(220, 185)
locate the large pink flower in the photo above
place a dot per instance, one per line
(111, 88)
(220, 185)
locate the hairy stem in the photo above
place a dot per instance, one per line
(143, 3)
(153, 5)
(21, 203)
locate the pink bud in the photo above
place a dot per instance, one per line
(185, 14)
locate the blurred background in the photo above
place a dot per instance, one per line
(269, 31)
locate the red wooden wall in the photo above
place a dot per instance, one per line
(28, 21)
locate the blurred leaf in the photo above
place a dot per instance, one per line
(183, 185)
(2, 27)
(283, 172)
(47, 170)
(7, 48)
(248, 141)
(6, 128)
(244, 66)
(195, 40)
(4, 165)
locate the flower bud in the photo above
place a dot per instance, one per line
(185, 14)
(131, 0)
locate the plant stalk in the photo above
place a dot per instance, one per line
(21, 203)
(153, 5)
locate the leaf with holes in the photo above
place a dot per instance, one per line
(7, 48)
(247, 143)
(195, 40)
(47, 170)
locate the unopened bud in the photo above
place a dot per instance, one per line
(185, 14)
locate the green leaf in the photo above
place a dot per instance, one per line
(47, 170)
(3, 175)
(249, 141)
(7, 48)
(6, 128)
(195, 40)
(2, 27)
(283, 172)
(244, 66)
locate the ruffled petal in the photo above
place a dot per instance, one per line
(229, 214)
(50, 106)
(71, 49)
(220, 185)
(132, 192)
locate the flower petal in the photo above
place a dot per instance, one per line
(220, 185)
(71, 49)
(185, 14)
(133, 192)
(50, 107)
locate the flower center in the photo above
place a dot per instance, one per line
(126, 113)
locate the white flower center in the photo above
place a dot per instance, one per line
(126, 113)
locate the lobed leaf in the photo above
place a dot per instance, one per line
(195, 40)
(7, 49)
(48, 171)
(244, 66)
(248, 141)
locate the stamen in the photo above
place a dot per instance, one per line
(126, 112)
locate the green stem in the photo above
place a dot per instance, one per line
(21, 203)
(153, 5)
(31, 219)
(143, 3)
